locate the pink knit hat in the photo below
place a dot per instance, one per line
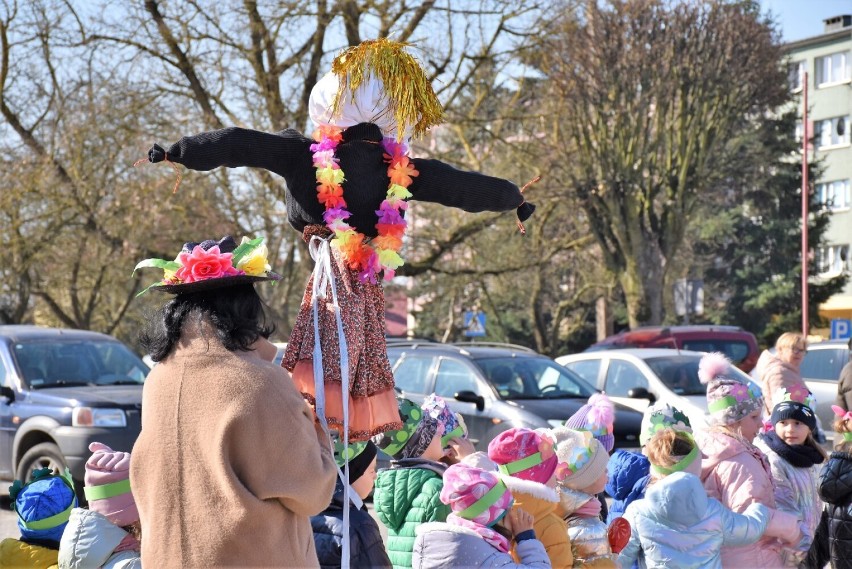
(107, 485)
(524, 454)
(729, 399)
(475, 494)
(597, 416)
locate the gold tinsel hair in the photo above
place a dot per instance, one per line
(407, 88)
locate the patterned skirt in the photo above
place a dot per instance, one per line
(373, 408)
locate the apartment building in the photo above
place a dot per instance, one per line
(827, 58)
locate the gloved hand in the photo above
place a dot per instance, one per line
(156, 154)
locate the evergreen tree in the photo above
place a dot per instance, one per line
(753, 243)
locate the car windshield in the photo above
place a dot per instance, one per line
(64, 363)
(533, 378)
(680, 374)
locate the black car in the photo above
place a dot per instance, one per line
(496, 387)
(61, 390)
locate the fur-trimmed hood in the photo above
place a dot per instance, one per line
(532, 489)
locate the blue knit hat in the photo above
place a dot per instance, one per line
(43, 505)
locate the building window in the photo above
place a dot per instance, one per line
(795, 74)
(832, 132)
(832, 69)
(834, 195)
(832, 260)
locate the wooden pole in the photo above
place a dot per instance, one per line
(805, 199)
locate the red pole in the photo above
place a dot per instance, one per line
(805, 197)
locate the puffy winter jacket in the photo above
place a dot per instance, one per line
(774, 373)
(795, 492)
(628, 476)
(737, 473)
(407, 495)
(442, 545)
(542, 503)
(15, 554)
(678, 525)
(365, 540)
(90, 540)
(587, 534)
(835, 487)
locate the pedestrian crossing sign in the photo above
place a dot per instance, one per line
(474, 324)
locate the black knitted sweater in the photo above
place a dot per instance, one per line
(288, 154)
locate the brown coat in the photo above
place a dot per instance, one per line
(775, 373)
(228, 467)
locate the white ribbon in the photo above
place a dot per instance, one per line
(323, 278)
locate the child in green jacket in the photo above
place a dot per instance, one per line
(408, 493)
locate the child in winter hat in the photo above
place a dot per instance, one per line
(659, 416)
(478, 530)
(366, 548)
(107, 534)
(733, 470)
(580, 475)
(795, 459)
(43, 506)
(596, 416)
(452, 423)
(408, 493)
(527, 460)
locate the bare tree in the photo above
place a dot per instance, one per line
(646, 94)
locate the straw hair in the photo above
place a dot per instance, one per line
(667, 447)
(408, 90)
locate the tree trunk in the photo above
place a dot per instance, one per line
(642, 281)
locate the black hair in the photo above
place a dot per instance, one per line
(237, 314)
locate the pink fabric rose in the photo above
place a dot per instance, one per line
(201, 265)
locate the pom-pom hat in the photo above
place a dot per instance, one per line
(212, 264)
(597, 416)
(660, 416)
(582, 458)
(729, 399)
(107, 485)
(43, 504)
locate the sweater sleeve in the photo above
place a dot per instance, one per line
(281, 425)
(745, 528)
(234, 147)
(440, 183)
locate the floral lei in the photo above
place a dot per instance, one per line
(367, 256)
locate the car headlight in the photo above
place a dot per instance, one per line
(98, 417)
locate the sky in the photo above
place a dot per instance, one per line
(804, 18)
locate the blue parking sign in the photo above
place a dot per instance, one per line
(474, 324)
(841, 329)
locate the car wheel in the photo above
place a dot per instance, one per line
(42, 455)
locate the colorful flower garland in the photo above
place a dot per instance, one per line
(380, 254)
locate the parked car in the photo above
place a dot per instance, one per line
(61, 390)
(638, 377)
(821, 369)
(740, 346)
(496, 387)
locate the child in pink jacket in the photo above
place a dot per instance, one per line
(733, 470)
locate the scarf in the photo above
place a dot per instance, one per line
(488, 534)
(591, 509)
(800, 456)
(421, 438)
(129, 543)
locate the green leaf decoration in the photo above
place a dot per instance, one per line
(15, 489)
(245, 249)
(158, 263)
(149, 288)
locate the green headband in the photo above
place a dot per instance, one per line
(847, 436)
(519, 465)
(457, 432)
(486, 501)
(683, 463)
(105, 491)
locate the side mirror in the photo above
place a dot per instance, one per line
(471, 397)
(7, 392)
(641, 393)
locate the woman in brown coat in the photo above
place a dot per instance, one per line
(229, 466)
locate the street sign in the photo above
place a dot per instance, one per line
(474, 324)
(841, 329)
